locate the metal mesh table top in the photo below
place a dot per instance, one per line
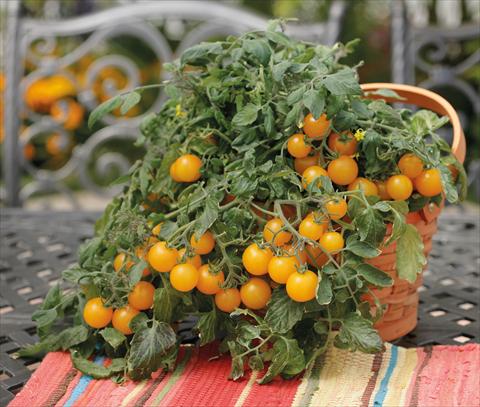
(36, 247)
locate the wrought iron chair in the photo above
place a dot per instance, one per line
(184, 23)
(422, 54)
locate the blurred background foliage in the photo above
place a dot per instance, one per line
(56, 96)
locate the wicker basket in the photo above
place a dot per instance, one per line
(401, 299)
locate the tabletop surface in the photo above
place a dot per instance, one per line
(37, 246)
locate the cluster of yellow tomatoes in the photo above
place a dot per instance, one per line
(278, 260)
(343, 171)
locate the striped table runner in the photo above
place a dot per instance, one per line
(436, 376)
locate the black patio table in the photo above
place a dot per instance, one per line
(37, 246)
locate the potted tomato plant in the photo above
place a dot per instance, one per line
(273, 197)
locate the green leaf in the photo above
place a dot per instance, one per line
(95, 370)
(362, 249)
(72, 336)
(200, 54)
(448, 185)
(282, 312)
(206, 326)
(113, 337)
(208, 217)
(255, 362)
(165, 300)
(324, 291)
(44, 318)
(410, 257)
(259, 48)
(74, 274)
(371, 227)
(136, 272)
(287, 359)
(425, 122)
(343, 82)
(357, 333)
(388, 93)
(53, 298)
(314, 101)
(296, 95)
(129, 100)
(374, 275)
(103, 109)
(279, 70)
(148, 348)
(247, 115)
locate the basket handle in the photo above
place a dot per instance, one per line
(429, 100)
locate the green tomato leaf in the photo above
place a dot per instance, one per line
(103, 109)
(410, 257)
(208, 217)
(206, 326)
(357, 333)
(247, 115)
(129, 100)
(360, 248)
(324, 291)
(113, 337)
(148, 348)
(343, 82)
(165, 300)
(371, 227)
(448, 185)
(287, 359)
(374, 275)
(314, 101)
(283, 313)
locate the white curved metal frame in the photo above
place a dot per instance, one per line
(33, 40)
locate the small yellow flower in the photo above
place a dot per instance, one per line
(359, 134)
(179, 112)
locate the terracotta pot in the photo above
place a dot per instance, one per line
(401, 300)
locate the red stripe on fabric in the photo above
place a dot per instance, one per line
(279, 392)
(205, 383)
(38, 391)
(451, 377)
(376, 365)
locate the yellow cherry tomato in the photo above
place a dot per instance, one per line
(205, 244)
(343, 170)
(194, 260)
(429, 183)
(141, 297)
(332, 242)
(280, 268)
(399, 187)
(255, 293)
(311, 173)
(186, 168)
(96, 314)
(316, 128)
(273, 232)
(336, 208)
(410, 165)
(302, 287)
(382, 190)
(209, 283)
(184, 277)
(343, 144)
(311, 229)
(365, 185)
(297, 147)
(122, 317)
(228, 300)
(161, 257)
(255, 260)
(301, 164)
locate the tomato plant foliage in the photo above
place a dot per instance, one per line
(234, 104)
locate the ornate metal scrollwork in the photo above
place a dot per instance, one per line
(183, 23)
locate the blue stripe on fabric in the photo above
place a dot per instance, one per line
(382, 391)
(82, 384)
